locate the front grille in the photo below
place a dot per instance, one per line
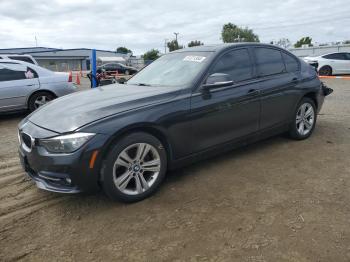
(27, 140)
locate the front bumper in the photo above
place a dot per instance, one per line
(62, 173)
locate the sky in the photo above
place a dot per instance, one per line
(143, 25)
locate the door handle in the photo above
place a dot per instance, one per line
(30, 85)
(253, 92)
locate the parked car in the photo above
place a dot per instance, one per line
(331, 64)
(113, 68)
(24, 58)
(27, 86)
(186, 105)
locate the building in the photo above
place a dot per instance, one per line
(63, 59)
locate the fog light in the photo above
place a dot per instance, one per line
(68, 180)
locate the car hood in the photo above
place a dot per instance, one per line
(71, 112)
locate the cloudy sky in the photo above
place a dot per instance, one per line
(142, 25)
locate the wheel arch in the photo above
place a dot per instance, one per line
(146, 128)
(313, 97)
(39, 91)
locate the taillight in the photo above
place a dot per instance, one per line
(70, 78)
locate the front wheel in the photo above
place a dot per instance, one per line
(304, 119)
(325, 71)
(134, 168)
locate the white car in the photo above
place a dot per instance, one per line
(331, 64)
(27, 86)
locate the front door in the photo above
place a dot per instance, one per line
(227, 113)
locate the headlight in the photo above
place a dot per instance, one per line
(65, 143)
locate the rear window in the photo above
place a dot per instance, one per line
(291, 63)
(22, 58)
(269, 61)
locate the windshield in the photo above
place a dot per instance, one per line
(174, 69)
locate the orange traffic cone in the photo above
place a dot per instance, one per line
(70, 78)
(77, 81)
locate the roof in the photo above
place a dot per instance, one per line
(219, 47)
(45, 52)
(25, 50)
(111, 59)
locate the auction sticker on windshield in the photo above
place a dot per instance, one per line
(193, 58)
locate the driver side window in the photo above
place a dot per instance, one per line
(236, 63)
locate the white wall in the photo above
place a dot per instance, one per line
(319, 50)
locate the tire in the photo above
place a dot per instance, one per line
(303, 125)
(39, 99)
(325, 71)
(124, 174)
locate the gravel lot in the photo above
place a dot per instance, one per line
(277, 200)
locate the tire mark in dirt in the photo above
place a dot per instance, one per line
(15, 213)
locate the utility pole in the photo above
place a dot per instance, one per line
(165, 45)
(176, 36)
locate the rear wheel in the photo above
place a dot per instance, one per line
(325, 71)
(134, 168)
(304, 119)
(39, 99)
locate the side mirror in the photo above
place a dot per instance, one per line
(218, 80)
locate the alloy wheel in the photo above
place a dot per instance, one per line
(41, 100)
(136, 168)
(305, 119)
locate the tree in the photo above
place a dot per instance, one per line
(195, 43)
(123, 50)
(283, 42)
(151, 55)
(303, 41)
(232, 33)
(174, 45)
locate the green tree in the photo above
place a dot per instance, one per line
(123, 50)
(283, 42)
(195, 43)
(174, 45)
(232, 33)
(151, 55)
(303, 41)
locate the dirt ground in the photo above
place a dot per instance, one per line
(277, 200)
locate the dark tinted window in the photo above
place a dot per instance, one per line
(9, 75)
(336, 56)
(236, 63)
(269, 61)
(291, 63)
(22, 58)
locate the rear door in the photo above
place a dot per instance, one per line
(277, 85)
(16, 83)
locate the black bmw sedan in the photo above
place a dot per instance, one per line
(186, 105)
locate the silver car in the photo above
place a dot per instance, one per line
(27, 86)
